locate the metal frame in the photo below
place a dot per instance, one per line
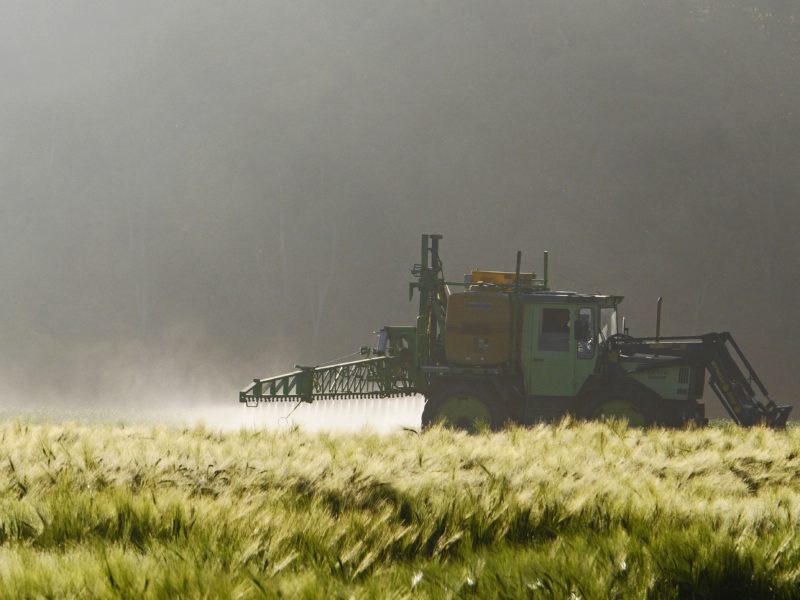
(374, 377)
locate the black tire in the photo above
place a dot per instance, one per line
(465, 406)
(637, 406)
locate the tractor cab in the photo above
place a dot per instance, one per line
(562, 333)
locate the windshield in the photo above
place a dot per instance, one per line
(608, 322)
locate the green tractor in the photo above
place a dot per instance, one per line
(503, 347)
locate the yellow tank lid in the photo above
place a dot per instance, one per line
(500, 277)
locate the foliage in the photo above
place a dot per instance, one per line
(568, 510)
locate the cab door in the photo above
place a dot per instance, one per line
(548, 350)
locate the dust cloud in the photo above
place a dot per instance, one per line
(194, 194)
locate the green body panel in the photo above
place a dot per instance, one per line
(670, 382)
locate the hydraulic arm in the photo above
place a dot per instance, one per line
(731, 376)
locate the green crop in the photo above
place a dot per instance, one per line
(581, 510)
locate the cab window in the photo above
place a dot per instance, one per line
(585, 333)
(554, 330)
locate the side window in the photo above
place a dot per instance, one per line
(585, 333)
(554, 330)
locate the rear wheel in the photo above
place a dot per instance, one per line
(463, 406)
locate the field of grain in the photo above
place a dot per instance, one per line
(572, 510)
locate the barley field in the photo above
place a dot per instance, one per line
(571, 510)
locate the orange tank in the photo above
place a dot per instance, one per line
(478, 328)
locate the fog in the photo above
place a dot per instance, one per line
(197, 193)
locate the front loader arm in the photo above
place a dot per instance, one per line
(733, 380)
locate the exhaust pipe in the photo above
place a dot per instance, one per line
(658, 318)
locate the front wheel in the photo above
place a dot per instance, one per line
(463, 406)
(636, 409)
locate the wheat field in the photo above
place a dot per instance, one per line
(571, 510)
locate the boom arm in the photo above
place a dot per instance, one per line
(374, 377)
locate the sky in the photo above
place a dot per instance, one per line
(193, 194)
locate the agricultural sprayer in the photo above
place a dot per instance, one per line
(503, 346)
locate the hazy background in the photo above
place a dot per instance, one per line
(196, 193)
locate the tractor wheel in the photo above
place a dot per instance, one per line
(636, 408)
(469, 407)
